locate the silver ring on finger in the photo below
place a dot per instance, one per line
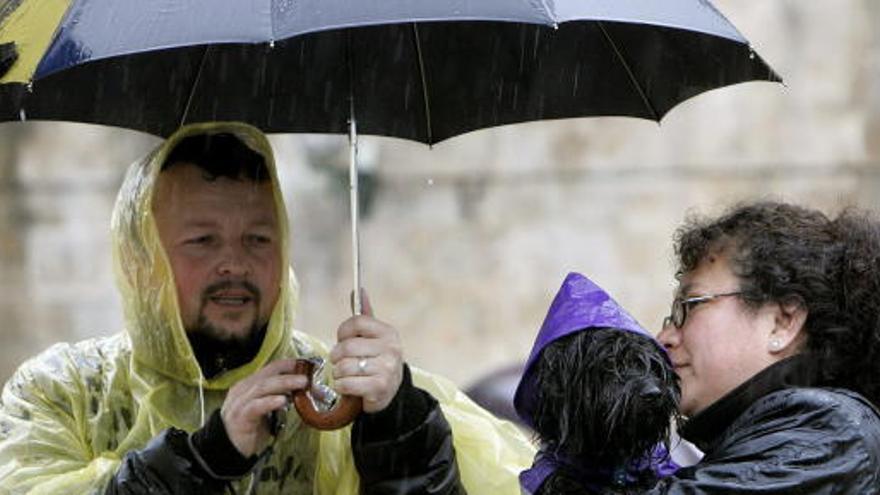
(362, 366)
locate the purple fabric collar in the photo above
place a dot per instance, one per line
(597, 480)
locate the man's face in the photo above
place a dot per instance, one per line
(222, 239)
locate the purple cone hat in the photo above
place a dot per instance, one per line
(579, 305)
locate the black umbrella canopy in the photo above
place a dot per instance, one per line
(419, 70)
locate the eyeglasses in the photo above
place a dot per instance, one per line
(680, 307)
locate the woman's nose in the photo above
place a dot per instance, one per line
(669, 335)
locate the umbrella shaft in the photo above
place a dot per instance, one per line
(353, 203)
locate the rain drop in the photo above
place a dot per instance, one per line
(272, 43)
(21, 115)
(30, 87)
(430, 182)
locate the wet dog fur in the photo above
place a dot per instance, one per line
(605, 397)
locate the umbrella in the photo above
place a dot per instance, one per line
(415, 69)
(423, 70)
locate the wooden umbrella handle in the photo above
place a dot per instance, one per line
(344, 411)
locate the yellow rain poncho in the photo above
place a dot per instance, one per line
(69, 415)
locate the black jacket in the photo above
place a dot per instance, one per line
(404, 449)
(775, 434)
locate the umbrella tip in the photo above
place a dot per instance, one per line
(8, 56)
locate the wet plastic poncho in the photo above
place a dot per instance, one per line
(69, 416)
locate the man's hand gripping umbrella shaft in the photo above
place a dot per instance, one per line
(367, 366)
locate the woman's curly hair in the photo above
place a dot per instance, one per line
(790, 254)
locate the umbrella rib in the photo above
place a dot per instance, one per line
(629, 72)
(192, 89)
(421, 60)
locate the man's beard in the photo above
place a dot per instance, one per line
(218, 350)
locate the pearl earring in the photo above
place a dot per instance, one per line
(775, 344)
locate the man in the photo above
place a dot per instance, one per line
(181, 401)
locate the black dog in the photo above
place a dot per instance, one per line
(605, 401)
(601, 395)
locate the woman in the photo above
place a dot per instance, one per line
(775, 334)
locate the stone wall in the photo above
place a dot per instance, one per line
(465, 244)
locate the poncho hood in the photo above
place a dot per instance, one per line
(146, 281)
